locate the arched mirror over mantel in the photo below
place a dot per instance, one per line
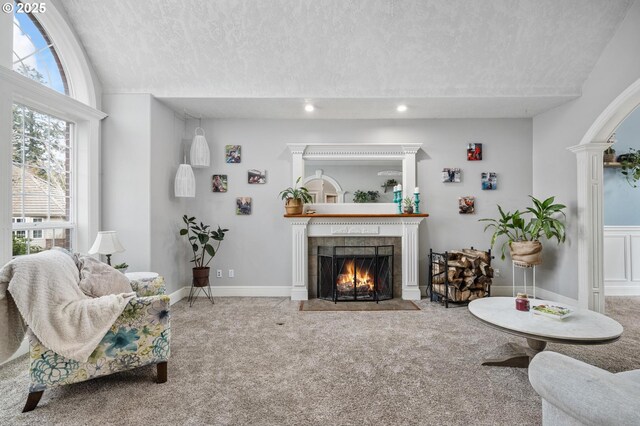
(335, 174)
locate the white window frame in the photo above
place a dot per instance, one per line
(80, 107)
(29, 227)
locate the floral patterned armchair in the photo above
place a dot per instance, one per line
(140, 336)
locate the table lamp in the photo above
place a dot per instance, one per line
(106, 243)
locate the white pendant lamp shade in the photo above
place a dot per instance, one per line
(185, 183)
(200, 156)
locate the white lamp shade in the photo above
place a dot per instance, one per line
(106, 243)
(200, 155)
(185, 183)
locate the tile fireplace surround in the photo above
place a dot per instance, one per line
(403, 226)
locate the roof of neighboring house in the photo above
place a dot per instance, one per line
(36, 195)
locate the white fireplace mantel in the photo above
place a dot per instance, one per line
(404, 226)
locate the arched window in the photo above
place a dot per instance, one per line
(42, 173)
(34, 54)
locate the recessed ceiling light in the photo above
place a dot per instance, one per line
(309, 108)
(401, 108)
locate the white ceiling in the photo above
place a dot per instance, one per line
(354, 59)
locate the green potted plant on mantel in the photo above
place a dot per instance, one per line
(522, 235)
(295, 198)
(407, 205)
(609, 155)
(630, 166)
(365, 197)
(200, 238)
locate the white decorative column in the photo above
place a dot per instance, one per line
(297, 163)
(300, 259)
(410, 247)
(409, 176)
(590, 225)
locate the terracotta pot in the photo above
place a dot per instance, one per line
(201, 276)
(609, 158)
(294, 206)
(526, 253)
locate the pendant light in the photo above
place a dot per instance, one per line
(199, 155)
(185, 182)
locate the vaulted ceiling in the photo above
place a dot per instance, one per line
(451, 58)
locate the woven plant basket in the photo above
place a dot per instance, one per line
(294, 206)
(526, 253)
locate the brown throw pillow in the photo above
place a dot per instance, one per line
(99, 279)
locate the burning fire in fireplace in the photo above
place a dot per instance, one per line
(350, 276)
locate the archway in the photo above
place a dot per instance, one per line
(590, 197)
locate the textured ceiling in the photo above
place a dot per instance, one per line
(537, 52)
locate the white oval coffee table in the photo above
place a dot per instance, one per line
(583, 327)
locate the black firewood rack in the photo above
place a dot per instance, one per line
(438, 274)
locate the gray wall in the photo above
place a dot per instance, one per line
(621, 200)
(258, 247)
(140, 155)
(554, 167)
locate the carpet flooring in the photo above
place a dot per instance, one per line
(385, 305)
(233, 363)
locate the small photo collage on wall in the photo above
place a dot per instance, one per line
(450, 175)
(474, 152)
(467, 205)
(489, 181)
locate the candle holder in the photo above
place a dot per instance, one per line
(398, 200)
(416, 202)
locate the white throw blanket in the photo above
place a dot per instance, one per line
(44, 289)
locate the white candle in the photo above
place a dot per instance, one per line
(400, 187)
(416, 191)
(395, 188)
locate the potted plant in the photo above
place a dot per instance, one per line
(201, 239)
(609, 155)
(407, 205)
(365, 197)
(295, 198)
(522, 235)
(630, 166)
(122, 267)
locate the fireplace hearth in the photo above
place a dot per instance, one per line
(351, 273)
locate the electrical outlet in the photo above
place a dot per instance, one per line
(496, 273)
(231, 273)
(219, 273)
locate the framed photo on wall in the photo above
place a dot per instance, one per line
(219, 183)
(467, 205)
(256, 176)
(243, 206)
(451, 175)
(474, 152)
(489, 181)
(233, 153)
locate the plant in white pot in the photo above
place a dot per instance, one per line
(522, 236)
(295, 198)
(201, 239)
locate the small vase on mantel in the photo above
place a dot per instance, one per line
(408, 210)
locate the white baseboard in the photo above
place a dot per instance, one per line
(621, 290)
(235, 291)
(541, 293)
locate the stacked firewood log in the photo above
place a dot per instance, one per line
(469, 275)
